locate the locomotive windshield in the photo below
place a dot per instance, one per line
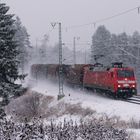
(125, 73)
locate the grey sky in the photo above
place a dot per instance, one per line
(37, 15)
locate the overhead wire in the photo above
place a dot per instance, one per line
(104, 19)
(98, 21)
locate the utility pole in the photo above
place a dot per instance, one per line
(74, 52)
(22, 65)
(74, 49)
(85, 57)
(61, 93)
(36, 55)
(36, 47)
(138, 64)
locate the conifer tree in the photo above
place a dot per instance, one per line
(23, 44)
(8, 55)
(100, 44)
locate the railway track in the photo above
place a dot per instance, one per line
(134, 99)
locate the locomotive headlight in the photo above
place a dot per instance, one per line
(133, 90)
(119, 85)
(133, 86)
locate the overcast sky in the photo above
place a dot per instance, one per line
(36, 16)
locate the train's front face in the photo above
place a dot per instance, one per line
(126, 82)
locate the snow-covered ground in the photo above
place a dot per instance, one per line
(101, 104)
(126, 111)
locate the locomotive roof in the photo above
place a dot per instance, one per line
(123, 68)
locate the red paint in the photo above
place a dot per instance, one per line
(108, 79)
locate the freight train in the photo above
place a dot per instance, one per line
(116, 80)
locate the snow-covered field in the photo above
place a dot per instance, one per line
(101, 104)
(126, 111)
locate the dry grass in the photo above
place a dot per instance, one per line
(134, 124)
(33, 104)
(27, 106)
(73, 109)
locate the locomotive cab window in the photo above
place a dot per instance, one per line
(91, 68)
(112, 74)
(125, 73)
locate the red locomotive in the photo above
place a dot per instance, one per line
(116, 80)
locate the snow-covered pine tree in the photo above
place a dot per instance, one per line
(135, 49)
(8, 55)
(23, 43)
(43, 54)
(123, 47)
(100, 45)
(114, 45)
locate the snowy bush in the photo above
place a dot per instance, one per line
(66, 130)
(40, 117)
(33, 104)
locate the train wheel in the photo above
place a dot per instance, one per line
(125, 96)
(115, 96)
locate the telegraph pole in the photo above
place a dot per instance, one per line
(74, 52)
(36, 55)
(22, 65)
(36, 48)
(74, 49)
(61, 93)
(85, 57)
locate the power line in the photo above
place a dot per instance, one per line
(116, 15)
(100, 20)
(105, 19)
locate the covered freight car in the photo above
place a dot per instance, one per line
(39, 71)
(74, 74)
(44, 71)
(71, 74)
